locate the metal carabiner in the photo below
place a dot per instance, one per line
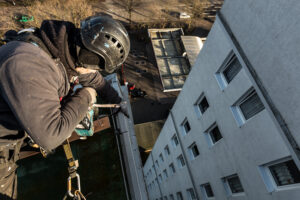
(70, 185)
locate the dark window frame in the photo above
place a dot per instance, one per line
(203, 108)
(215, 136)
(174, 138)
(233, 63)
(292, 169)
(209, 193)
(231, 181)
(194, 151)
(246, 98)
(182, 161)
(186, 127)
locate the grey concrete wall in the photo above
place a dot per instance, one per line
(268, 32)
(178, 182)
(257, 142)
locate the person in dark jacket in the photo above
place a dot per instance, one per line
(36, 70)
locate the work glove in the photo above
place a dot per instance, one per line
(85, 126)
(123, 109)
(92, 93)
(93, 78)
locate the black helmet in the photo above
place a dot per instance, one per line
(107, 38)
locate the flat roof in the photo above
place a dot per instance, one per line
(171, 61)
(192, 45)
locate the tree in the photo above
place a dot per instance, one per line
(196, 7)
(129, 6)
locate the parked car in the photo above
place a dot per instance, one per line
(184, 15)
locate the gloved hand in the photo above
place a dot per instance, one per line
(123, 108)
(92, 93)
(93, 78)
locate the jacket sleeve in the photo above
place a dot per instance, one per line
(103, 88)
(30, 87)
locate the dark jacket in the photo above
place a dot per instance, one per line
(31, 84)
(34, 76)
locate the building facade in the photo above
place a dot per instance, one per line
(232, 132)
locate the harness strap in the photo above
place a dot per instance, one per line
(73, 164)
(74, 193)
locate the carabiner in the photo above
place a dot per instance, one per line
(70, 185)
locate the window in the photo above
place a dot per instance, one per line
(191, 194)
(207, 190)
(282, 173)
(185, 126)
(247, 106)
(167, 150)
(171, 197)
(175, 140)
(180, 161)
(160, 178)
(233, 184)
(172, 168)
(203, 105)
(179, 196)
(213, 135)
(165, 173)
(193, 150)
(232, 68)
(285, 173)
(161, 157)
(229, 69)
(251, 105)
(157, 165)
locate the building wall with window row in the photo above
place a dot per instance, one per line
(246, 156)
